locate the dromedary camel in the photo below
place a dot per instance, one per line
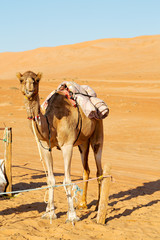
(62, 126)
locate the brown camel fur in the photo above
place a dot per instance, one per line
(58, 128)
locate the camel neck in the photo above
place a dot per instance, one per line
(33, 107)
(34, 114)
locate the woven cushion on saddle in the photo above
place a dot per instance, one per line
(85, 96)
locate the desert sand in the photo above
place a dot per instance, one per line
(125, 73)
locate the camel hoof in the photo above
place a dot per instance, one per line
(73, 220)
(49, 215)
(82, 205)
(72, 217)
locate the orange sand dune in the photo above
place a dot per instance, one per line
(133, 58)
(125, 73)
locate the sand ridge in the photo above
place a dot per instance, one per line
(133, 58)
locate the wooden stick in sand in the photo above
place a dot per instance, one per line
(103, 203)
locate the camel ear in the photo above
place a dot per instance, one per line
(19, 75)
(38, 78)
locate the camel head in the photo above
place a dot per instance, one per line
(29, 82)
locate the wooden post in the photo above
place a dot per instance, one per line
(8, 159)
(103, 203)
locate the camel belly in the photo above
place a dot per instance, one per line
(88, 128)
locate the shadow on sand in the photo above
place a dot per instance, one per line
(146, 189)
(39, 206)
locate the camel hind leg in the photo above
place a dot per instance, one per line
(84, 151)
(97, 145)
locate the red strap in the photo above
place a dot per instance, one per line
(34, 118)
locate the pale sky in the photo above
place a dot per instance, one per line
(29, 24)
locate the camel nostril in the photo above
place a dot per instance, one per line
(29, 91)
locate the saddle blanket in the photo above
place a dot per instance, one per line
(85, 96)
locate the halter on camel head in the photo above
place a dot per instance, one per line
(29, 83)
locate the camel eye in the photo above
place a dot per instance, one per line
(37, 80)
(21, 80)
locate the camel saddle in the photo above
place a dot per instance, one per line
(85, 96)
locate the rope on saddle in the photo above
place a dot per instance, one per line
(79, 119)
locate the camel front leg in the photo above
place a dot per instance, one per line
(47, 156)
(67, 155)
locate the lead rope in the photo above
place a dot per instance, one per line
(38, 144)
(49, 149)
(41, 159)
